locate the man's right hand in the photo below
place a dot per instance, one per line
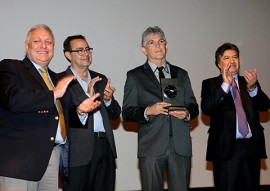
(157, 108)
(89, 104)
(226, 74)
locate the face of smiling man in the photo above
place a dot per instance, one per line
(39, 46)
(230, 60)
(79, 60)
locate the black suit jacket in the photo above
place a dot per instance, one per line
(142, 89)
(28, 120)
(82, 136)
(220, 107)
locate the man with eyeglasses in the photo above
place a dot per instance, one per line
(92, 146)
(164, 143)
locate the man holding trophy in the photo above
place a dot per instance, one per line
(159, 96)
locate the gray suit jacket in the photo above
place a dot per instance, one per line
(82, 136)
(142, 89)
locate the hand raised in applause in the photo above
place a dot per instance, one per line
(61, 87)
(226, 74)
(108, 91)
(91, 85)
(88, 105)
(251, 79)
(91, 103)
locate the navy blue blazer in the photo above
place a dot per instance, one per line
(28, 120)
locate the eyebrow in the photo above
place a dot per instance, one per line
(82, 47)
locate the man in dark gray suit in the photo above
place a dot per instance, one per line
(164, 136)
(92, 146)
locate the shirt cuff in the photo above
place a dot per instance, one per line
(254, 92)
(146, 116)
(225, 87)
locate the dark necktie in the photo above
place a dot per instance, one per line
(161, 74)
(241, 115)
(58, 104)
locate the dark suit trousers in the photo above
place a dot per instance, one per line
(97, 175)
(153, 169)
(241, 172)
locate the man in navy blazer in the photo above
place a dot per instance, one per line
(235, 156)
(30, 137)
(164, 142)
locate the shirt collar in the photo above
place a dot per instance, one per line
(78, 76)
(154, 67)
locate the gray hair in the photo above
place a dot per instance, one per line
(39, 26)
(151, 31)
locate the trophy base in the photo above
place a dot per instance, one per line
(176, 108)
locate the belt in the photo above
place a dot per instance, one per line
(100, 135)
(56, 144)
(243, 141)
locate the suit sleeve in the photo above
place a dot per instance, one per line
(190, 100)
(211, 97)
(131, 110)
(261, 100)
(114, 109)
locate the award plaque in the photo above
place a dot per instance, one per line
(170, 94)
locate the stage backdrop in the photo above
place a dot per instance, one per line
(194, 29)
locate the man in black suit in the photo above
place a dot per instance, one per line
(92, 146)
(235, 153)
(31, 123)
(164, 143)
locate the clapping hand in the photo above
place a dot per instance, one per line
(108, 91)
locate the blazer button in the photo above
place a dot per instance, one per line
(52, 138)
(56, 118)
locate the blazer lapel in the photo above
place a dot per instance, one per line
(150, 74)
(29, 66)
(76, 90)
(172, 70)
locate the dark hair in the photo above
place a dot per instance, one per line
(220, 51)
(66, 44)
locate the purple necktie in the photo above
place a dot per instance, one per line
(241, 115)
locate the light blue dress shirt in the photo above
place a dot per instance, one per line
(98, 120)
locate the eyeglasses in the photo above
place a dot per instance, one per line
(82, 51)
(152, 43)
